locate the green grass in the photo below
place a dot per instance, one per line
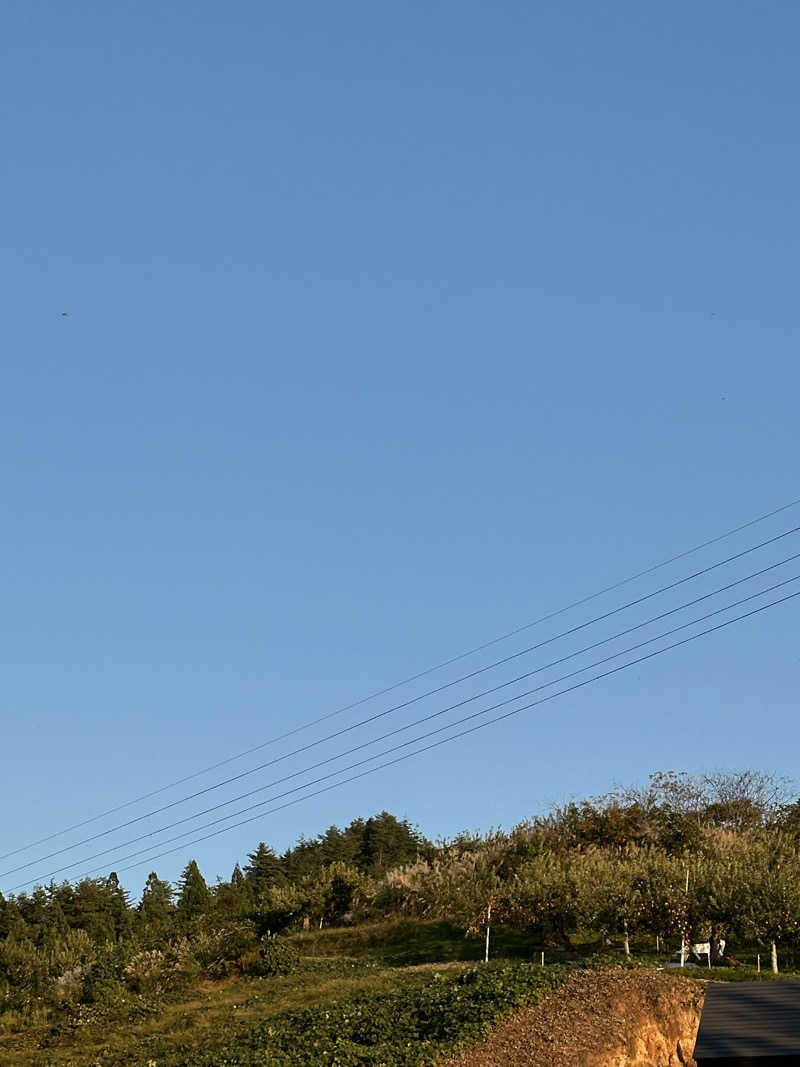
(404, 942)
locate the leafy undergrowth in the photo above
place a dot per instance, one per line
(131, 1030)
(331, 1010)
(410, 1026)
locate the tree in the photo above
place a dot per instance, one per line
(275, 909)
(194, 898)
(264, 869)
(769, 897)
(609, 892)
(156, 908)
(341, 894)
(118, 906)
(387, 842)
(545, 897)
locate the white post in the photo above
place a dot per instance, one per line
(543, 959)
(758, 962)
(683, 952)
(774, 957)
(656, 942)
(488, 927)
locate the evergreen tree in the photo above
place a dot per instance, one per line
(387, 842)
(156, 907)
(194, 898)
(264, 869)
(337, 846)
(118, 906)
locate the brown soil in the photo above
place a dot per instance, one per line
(599, 1019)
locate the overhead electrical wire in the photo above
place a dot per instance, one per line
(432, 692)
(460, 703)
(448, 726)
(453, 737)
(411, 678)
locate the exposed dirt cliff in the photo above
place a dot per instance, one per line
(600, 1019)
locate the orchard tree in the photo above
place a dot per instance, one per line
(544, 896)
(770, 892)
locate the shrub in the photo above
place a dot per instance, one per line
(148, 971)
(219, 950)
(103, 981)
(277, 957)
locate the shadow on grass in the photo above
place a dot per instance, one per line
(407, 942)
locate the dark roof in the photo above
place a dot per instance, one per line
(750, 1024)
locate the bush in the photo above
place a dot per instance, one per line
(277, 957)
(147, 972)
(103, 982)
(219, 951)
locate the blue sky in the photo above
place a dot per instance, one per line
(389, 329)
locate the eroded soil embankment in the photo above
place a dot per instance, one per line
(600, 1019)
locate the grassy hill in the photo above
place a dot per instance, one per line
(397, 993)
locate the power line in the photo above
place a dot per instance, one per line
(428, 718)
(411, 678)
(453, 707)
(413, 700)
(464, 733)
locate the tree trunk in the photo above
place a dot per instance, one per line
(306, 922)
(627, 939)
(561, 935)
(488, 929)
(773, 948)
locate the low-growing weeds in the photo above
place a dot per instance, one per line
(400, 1029)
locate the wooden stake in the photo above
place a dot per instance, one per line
(488, 927)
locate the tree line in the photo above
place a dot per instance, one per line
(686, 858)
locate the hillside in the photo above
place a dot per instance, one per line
(367, 944)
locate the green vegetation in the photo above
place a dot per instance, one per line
(361, 946)
(398, 1029)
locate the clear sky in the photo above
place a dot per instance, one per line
(389, 328)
